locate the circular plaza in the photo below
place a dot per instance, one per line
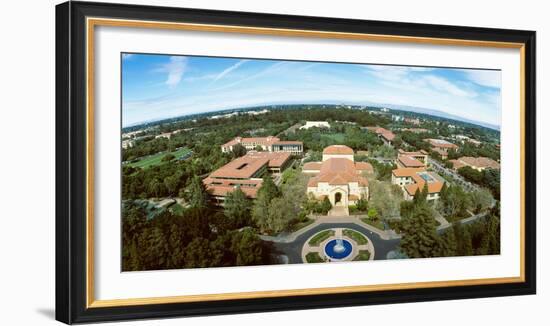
(337, 245)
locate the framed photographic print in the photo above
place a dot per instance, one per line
(216, 162)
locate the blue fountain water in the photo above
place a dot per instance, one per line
(338, 248)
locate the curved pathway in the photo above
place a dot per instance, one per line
(292, 248)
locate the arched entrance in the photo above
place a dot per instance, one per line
(338, 199)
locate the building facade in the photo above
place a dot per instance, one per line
(268, 144)
(416, 159)
(477, 163)
(245, 172)
(338, 177)
(412, 180)
(384, 134)
(316, 124)
(441, 146)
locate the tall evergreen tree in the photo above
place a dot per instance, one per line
(260, 211)
(425, 192)
(420, 238)
(196, 194)
(237, 208)
(239, 150)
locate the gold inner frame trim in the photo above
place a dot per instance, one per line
(92, 22)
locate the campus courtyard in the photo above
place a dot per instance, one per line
(289, 248)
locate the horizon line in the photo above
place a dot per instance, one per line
(376, 105)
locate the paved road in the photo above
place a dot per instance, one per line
(293, 250)
(468, 186)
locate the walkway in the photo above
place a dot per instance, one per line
(289, 246)
(293, 249)
(338, 234)
(290, 237)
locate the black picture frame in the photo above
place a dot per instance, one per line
(71, 158)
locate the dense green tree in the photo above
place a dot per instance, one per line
(419, 237)
(280, 214)
(237, 208)
(385, 198)
(260, 211)
(171, 183)
(397, 141)
(372, 213)
(155, 188)
(447, 244)
(201, 252)
(248, 248)
(195, 193)
(325, 205)
(362, 204)
(481, 200)
(382, 170)
(238, 150)
(384, 151)
(454, 202)
(168, 157)
(269, 188)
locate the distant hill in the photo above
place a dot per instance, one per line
(396, 107)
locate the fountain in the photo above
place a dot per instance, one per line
(338, 249)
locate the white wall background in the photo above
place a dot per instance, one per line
(27, 162)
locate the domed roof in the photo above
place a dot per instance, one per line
(338, 150)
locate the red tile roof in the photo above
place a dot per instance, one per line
(246, 166)
(406, 172)
(409, 162)
(338, 171)
(221, 187)
(364, 167)
(480, 162)
(435, 182)
(441, 143)
(312, 166)
(338, 150)
(388, 135)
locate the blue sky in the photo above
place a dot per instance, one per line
(156, 87)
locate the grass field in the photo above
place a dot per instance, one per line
(156, 159)
(320, 237)
(356, 236)
(313, 257)
(362, 255)
(337, 137)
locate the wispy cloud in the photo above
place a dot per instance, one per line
(213, 84)
(489, 78)
(420, 78)
(270, 69)
(442, 84)
(229, 69)
(174, 69)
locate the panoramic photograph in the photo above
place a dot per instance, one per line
(239, 162)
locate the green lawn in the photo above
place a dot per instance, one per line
(356, 236)
(336, 137)
(362, 255)
(156, 159)
(313, 257)
(320, 237)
